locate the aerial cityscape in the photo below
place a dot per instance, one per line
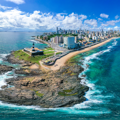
(66, 41)
(59, 60)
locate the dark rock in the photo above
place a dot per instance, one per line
(4, 68)
(19, 96)
(27, 71)
(46, 89)
(83, 75)
(4, 86)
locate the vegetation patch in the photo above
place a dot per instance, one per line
(71, 61)
(72, 74)
(58, 53)
(67, 92)
(38, 94)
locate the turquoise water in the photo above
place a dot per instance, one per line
(10, 41)
(102, 76)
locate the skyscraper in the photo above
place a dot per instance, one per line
(56, 30)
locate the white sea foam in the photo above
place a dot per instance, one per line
(98, 98)
(3, 77)
(35, 41)
(2, 56)
(78, 108)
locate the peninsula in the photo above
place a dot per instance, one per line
(50, 81)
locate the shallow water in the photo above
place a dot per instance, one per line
(102, 76)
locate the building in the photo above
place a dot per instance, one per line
(33, 51)
(102, 32)
(45, 37)
(60, 39)
(56, 30)
(56, 39)
(86, 38)
(80, 36)
(95, 38)
(97, 33)
(76, 38)
(69, 42)
(93, 34)
(90, 36)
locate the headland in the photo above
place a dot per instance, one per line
(48, 89)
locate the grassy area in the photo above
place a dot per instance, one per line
(71, 61)
(72, 74)
(38, 94)
(24, 56)
(58, 53)
(67, 92)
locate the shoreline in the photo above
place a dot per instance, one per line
(61, 62)
(56, 86)
(62, 89)
(44, 42)
(46, 89)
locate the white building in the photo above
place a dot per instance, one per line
(69, 42)
(80, 36)
(76, 38)
(95, 38)
(90, 36)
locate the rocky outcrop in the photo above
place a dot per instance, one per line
(19, 96)
(4, 68)
(48, 89)
(27, 71)
(11, 59)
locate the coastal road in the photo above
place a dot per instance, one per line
(61, 62)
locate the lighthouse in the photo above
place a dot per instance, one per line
(33, 47)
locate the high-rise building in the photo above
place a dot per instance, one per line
(56, 40)
(97, 33)
(60, 39)
(69, 42)
(80, 36)
(76, 38)
(90, 36)
(56, 30)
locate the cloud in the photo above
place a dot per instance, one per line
(91, 22)
(15, 19)
(109, 28)
(116, 27)
(60, 16)
(104, 15)
(116, 17)
(72, 21)
(4, 7)
(112, 22)
(100, 19)
(83, 17)
(17, 1)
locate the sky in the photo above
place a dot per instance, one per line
(46, 15)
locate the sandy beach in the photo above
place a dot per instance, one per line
(61, 62)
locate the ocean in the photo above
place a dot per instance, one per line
(102, 70)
